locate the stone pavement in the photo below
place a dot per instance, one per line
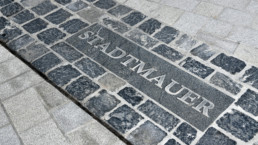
(33, 112)
(155, 72)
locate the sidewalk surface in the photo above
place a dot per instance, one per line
(165, 72)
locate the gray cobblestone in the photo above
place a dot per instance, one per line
(167, 34)
(20, 42)
(5, 2)
(92, 15)
(8, 136)
(239, 125)
(23, 17)
(146, 134)
(105, 4)
(116, 25)
(124, 118)
(249, 102)
(44, 8)
(11, 9)
(150, 26)
(81, 88)
(3, 23)
(35, 25)
(73, 26)
(101, 104)
(159, 115)
(76, 6)
(131, 95)
(185, 133)
(203, 51)
(120, 10)
(111, 82)
(168, 52)
(172, 142)
(51, 35)
(9, 34)
(141, 38)
(134, 18)
(251, 77)
(58, 16)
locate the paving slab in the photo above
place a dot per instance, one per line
(150, 77)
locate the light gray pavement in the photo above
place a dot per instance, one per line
(33, 112)
(230, 26)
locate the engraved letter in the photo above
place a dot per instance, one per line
(140, 70)
(169, 86)
(190, 96)
(159, 79)
(129, 60)
(114, 52)
(206, 105)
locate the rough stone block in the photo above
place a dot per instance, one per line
(20, 42)
(215, 137)
(186, 42)
(51, 35)
(141, 38)
(46, 62)
(203, 51)
(111, 82)
(9, 34)
(147, 134)
(229, 63)
(131, 95)
(3, 23)
(11, 9)
(168, 52)
(63, 2)
(225, 82)
(185, 133)
(81, 88)
(90, 68)
(251, 77)
(8, 136)
(115, 25)
(167, 34)
(134, 18)
(92, 14)
(44, 8)
(196, 67)
(67, 51)
(105, 4)
(172, 142)
(33, 51)
(76, 6)
(122, 115)
(159, 115)
(150, 26)
(35, 25)
(73, 26)
(23, 17)
(239, 125)
(249, 102)
(101, 104)
(58, 17)
(5, 2)
(63, 75)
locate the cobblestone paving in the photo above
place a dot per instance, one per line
(33, 112)
(117, 59)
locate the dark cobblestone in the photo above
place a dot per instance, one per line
(203, 51)
(196, 67)
(62, 75)
(76, 6)
(90, 68)
(147, 134)
(9, 33)
(33, 51)
(46, 62)
(249, 102)
(131, 95)
(105, 4)
(5, 2)
(91, 0)
(116, 25)
(3, 23)
(215, 137)
(225, 82)
(251, 77)
(150, 26)
(101, 104)
(81, 88)
(229, 63)
(141, 39)
(11, 9)
(58, 16)
(20, 42)
(23, 17)
(171, 142)
(66, 51)
(186, 42)
(44, 8)
(167, 34)
(185, 133)
(124, 118)
(35, 25)
(134, 18)
(159, 115)
(120, 10)
(63, 2)
(73, 26)
(168, 52)
(51, 35)
(239, 125)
